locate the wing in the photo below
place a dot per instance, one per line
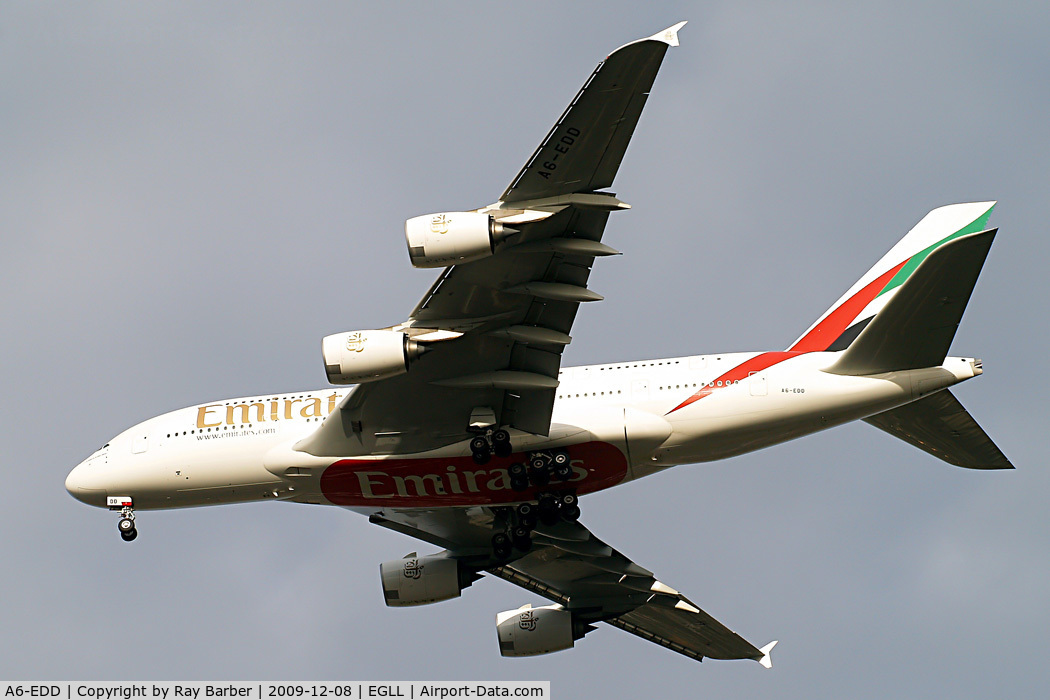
(495, 328)
(584, 149)
(570, 566)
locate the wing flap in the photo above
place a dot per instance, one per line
(686, 629)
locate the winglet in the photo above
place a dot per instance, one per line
(669, 36)
(765, 660)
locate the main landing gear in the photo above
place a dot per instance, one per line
(542, 468)
(126, 525)
(492, 442)
(513, 526)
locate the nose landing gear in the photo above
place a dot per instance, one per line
(126, 525)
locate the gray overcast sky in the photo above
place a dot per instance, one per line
(193, 194)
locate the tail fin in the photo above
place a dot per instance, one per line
(916, 327)
(840, 325)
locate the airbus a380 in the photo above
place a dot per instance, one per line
(460, 428)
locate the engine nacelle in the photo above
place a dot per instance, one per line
(529, 631)
(421, 580)
(438, 240)
(364, 356)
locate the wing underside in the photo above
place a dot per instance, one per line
(505, 319)
(571, 567)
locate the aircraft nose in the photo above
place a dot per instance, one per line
(83, 486)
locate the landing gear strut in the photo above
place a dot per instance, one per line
(513, 527)
(127, 516)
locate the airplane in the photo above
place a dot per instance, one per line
(460, 428)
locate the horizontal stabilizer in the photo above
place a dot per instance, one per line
(939, 424)
(916, 327)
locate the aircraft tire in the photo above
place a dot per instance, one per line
(522, 541)
(540, 476)
(501, 545)
(571, 513)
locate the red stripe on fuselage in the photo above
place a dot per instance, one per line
(828, 331)
(741, 371)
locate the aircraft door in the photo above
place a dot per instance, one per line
(139, 444)
(757, 382)
(640, 390)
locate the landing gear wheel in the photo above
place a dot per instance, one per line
(570, 513)
(539, 475)
(548, 509)
(501, 443)
(537, 462)
(522, 539)
(517, 469)
(129, 535)
(519, 483)
(560, 457)
(501, 545)
(126, 525)
(566, 500)
(563, 472)
(480, 450)
(526, 513)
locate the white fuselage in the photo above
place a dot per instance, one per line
(618, 421)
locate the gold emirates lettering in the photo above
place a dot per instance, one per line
(213, 415)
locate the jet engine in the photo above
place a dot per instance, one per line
(365, 356)
(422, 580)
(437, 240)
(530, 631)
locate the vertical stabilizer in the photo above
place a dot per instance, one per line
(842, 323)
(916, 326)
